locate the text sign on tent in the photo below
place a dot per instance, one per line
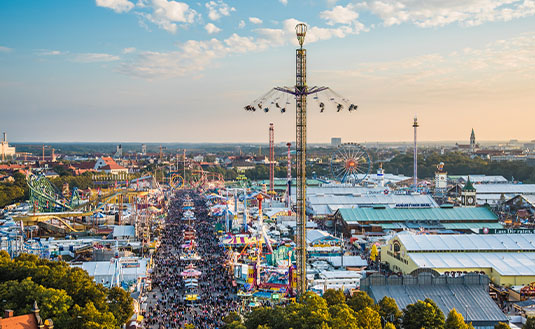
(507, 231)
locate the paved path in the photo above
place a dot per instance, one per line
(166, 307)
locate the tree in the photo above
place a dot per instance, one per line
(259, 316)
(67, 295)
(88, 317)
(368, 318)
(20, 296)
(530, 323)
(314, 313)
(423, 314)
(502, 325)
(119, 302)
(231, 317)
(342, 317)
(455, 320)
(334, 297)
(360, 300)
(389, 325)
(389, 311)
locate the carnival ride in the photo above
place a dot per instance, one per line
(51, 207)
(191, 175)
(350, 163)
(279, 98)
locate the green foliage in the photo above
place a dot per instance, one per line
(63, 170)
(20, 296)
(14, 192)
(368, 318)
(502, 325)
(82, 181)
(423, 314)
(530, 323)
(67, 295)
(233, 325)
(342, 316)
(388, 309)
(459, 164)
(455, 320)
(360, 300)
(389, 325)
(232, 317)
(119, 302)
(334, 297)
(332, 312)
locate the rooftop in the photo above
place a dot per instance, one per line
(467, 294)
(468, 243)
(422, 214)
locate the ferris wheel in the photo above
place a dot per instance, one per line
(350, 163)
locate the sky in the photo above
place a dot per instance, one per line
(182, 71)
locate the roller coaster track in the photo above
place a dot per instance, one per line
(49, 204)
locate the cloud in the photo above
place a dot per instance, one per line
(191, 57)
(5, 49)
(218, 9)
(340, 15)
(284, 2)
(241, 25)
(52, 53)
(488, 68)
(129, 50)
(425, 13)
(119, 6)
(255, 20)
(94, 58)
(195, 56)
(166, 13)
(211, 28)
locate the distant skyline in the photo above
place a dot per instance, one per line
(181, 71)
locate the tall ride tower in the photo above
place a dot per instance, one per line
(300, 91)
(415, 174)
(271, 159)
(301, 141)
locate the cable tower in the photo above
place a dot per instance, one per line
(279, 98)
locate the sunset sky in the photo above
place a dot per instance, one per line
(171, 71)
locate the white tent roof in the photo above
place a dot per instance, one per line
(472, 242)
(505, 263)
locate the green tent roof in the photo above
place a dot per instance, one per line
(422, 214)
(469, 226)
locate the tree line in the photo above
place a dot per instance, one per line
(459, 164)
(67, 295)
(336, 311)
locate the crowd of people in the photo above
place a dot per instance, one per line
(167, 305)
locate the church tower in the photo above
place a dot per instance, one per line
(468, 195)
(472, 141)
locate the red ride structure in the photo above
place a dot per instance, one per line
(289, 179)
(271, 159)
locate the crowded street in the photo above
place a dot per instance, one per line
(190, 283)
